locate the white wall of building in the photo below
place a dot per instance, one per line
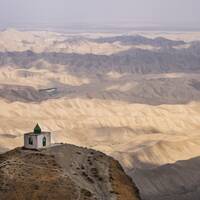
(40, 140)
(37, 140)
(26, 141)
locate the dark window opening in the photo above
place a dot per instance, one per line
(44, 141)
(30, 140)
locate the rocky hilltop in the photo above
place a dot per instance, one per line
(63, 172)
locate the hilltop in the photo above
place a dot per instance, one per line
(63, 172)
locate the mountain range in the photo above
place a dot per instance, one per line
(132, 96)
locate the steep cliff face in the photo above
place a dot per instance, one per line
(63, 172)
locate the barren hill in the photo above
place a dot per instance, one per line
(63, 172)
(178, 181)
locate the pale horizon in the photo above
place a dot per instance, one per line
(180, 14)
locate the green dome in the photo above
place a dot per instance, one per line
(37, 129)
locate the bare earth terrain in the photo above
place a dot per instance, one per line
(63, 172)
(135, 97)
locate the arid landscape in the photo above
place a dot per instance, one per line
(63, 172)
(133, 96)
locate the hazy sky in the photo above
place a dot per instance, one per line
(63, 12)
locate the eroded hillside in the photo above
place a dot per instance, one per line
(133, 96)
(178, 181)
(63, 172)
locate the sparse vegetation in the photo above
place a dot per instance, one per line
(129, 191)
(40, 175)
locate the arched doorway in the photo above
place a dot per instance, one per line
(44, 141)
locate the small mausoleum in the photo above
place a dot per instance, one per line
(37, 139)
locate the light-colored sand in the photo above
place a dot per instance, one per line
(13, 40)
(137, 135)
(44, 41)
(39, 78)
(130, 132)
(185, 36)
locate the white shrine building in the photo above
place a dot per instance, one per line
(37, 139)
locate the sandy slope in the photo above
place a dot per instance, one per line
(99, 113)
(44, 41)
(186, 36)
(39, 78)
(133, 133)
